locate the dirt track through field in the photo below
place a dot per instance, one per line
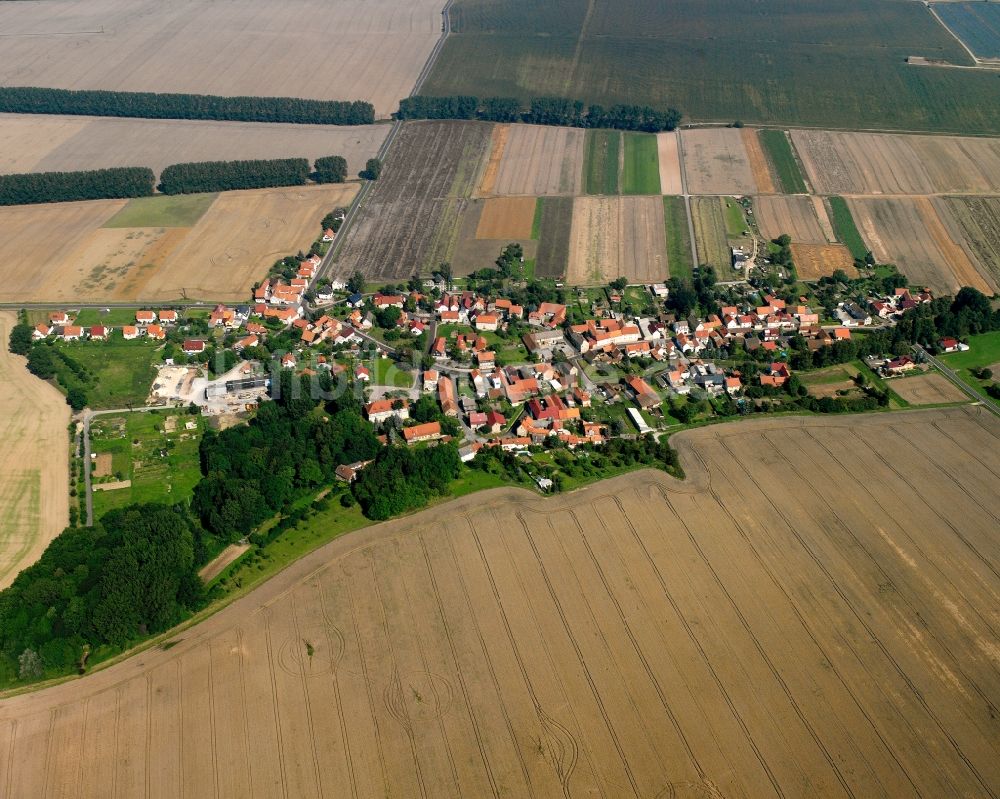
(34, 462)
(539, 160)
(349, 50)
(805, 616)
(617, 237)
(716, 162)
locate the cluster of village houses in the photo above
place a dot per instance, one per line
(546, 392)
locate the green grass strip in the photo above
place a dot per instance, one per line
(779, 152)
(641, 171)
(536, 223)
(600, 167)
(844, 227)
(678, 238)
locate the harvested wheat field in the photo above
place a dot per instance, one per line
(350, 50)
(34, 463)
(801, 618)
(507, 218)
(975, 223)
(759, 164)
(932, 388)
(796, 216)
(228, 248)
(31, 254)
(716, 162)
(885, 163)
(36, 143)
(536, 160)
(710, 232)
(670, 163)
(908, 233)
(813, 261)
(617, 237)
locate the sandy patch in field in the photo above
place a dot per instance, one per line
(711, 638)
(813, 261)
(758, 162)
(34, 461)
(670, 163)
(616, 237)
(350, 50)
(507, 218)
(885, 163)
(35, 241)
(541, 160)
(795, 216)
(716, 162)
(907, 232)
(102, 465)
(931, 388)
(44, 143)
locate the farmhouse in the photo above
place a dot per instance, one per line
(381, 410)
(72, 333)
(193, 346)
(446, 396)
(422, 432)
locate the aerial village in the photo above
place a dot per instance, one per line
(434, 362)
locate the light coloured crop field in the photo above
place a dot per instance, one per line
(813, 261)
(710, 233)
(716, 162)
(535, 160)
(927, 389)
(670, 163)
(758, 162)
(347, 50)
(795, 216)
(802, 617)
(506, 218)
(60, 253)
(46, 143)
(616, 237)
(908, 233)
(975, 223)
(34, 462)
(880, 163)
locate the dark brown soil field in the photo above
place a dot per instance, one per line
(812, 613)
(410, 222)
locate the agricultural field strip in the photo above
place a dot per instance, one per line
(619, 632)
(716, 162)
(41, 143)
(536, 160)
(352, 50)
(711, 242)
(617, 237)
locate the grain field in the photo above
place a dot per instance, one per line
(805, 616)
(796, 216)
(670, 165)
(617, 237)
(34, 462)
(716, 162)
(349, 50)
(538, 160)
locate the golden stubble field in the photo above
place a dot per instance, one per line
(803, 617)
(36, 143)
(34, 463)
(614, 237)
(534, 160)
(348, 50)
(61, 253)
(716, 161)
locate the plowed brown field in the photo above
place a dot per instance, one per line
(617, 237)
(507, 218)
(909, 233)
(795, 216)
(716, 162)
(537, 160)
(349, 50)
(803, 617)
(881, 163)
(34, 462)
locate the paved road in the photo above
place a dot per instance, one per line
(953, 377)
